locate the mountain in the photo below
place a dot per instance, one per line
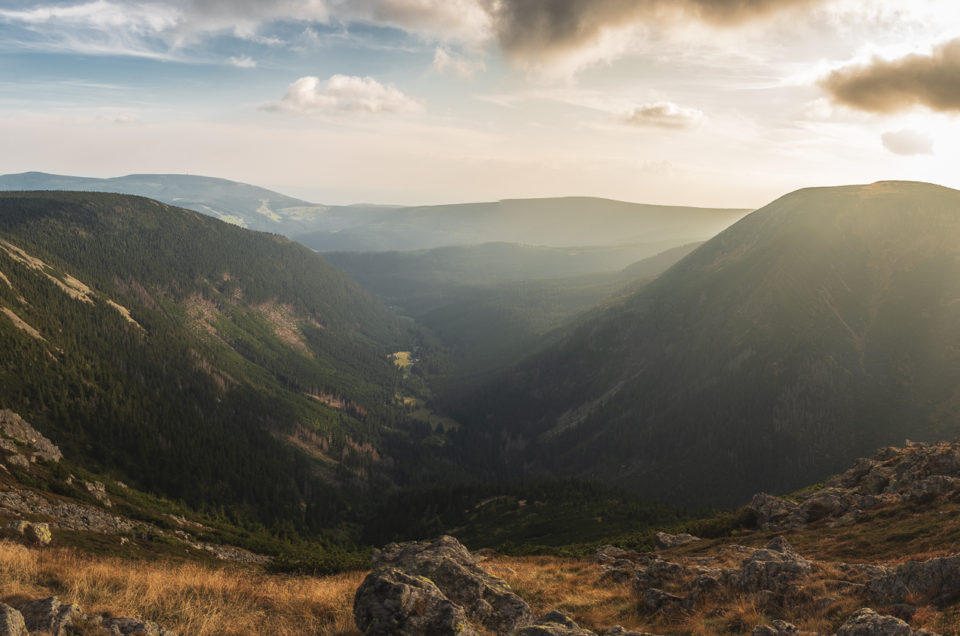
(238, 203)
(556, 222)
(812, 331)
(193, 358)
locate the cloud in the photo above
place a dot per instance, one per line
(907, 142)
(886, 86)
(242, 61)
(664, 115)
(342, 94)
(540, 30)
(444, 61)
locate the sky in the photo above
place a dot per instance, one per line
(692, 102)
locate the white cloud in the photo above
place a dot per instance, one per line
(907, 142)
(242, 61)
(664, 115)
(444, 61)
(343, 94)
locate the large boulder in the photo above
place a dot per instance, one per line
(772, 511)
(775, 568)
(667, 540)
(867, 622)
(427, 582)
(49, 615)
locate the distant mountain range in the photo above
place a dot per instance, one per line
(813, 331)
(576, 221)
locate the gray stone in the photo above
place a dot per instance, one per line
(656, 600)
(666, 540)
(867, 622)
(554, 624)
(134, 627)
(391, 602)
(18, 461)
(936, 580)
(776, 628)
(11, 622)
(482, 599)
(50, 615)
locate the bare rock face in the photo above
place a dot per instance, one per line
(11, 622)
(936, 580)
(554, 624)
(453, 592)
(14, 426)
(772, 511)
(867, 622)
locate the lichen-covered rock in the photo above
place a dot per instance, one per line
(11, 622)
(14, 426)
(554, 624)
(867, 622)
(35, 532)
(393, 602)
(449, 567)
(99, 492)
(936, 580)
(618, 565)
(666, 540)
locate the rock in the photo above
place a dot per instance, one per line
(867, 622)
(134, 627)
(13, 426)
(665, 540)
(774, 568)
(50, 615)
(392, 602)
(616, 630)
(35, 532)
(929, 488)
(656, 600)
(619, 566)
(829, 502)
(776, 628)
(99, 492)
(554, 624)
(11, 622)
(474, 595)
(936, 580)
(18, 461)
(771, 510)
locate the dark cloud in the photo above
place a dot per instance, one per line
(907, 142)
(887, 86)
(547, 28)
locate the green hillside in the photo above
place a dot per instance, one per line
(815, 329)
(226, 368)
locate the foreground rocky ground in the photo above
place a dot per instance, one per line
(884, 558)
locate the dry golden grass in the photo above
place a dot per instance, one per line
(189, 598)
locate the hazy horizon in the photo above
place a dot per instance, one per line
(420, 102)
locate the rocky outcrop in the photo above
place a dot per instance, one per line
(68, 515)
(776, 628)
(867, 622)
(917, 473)
(436, 583)
(16, 428)
(936, 581)
(50, 616)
